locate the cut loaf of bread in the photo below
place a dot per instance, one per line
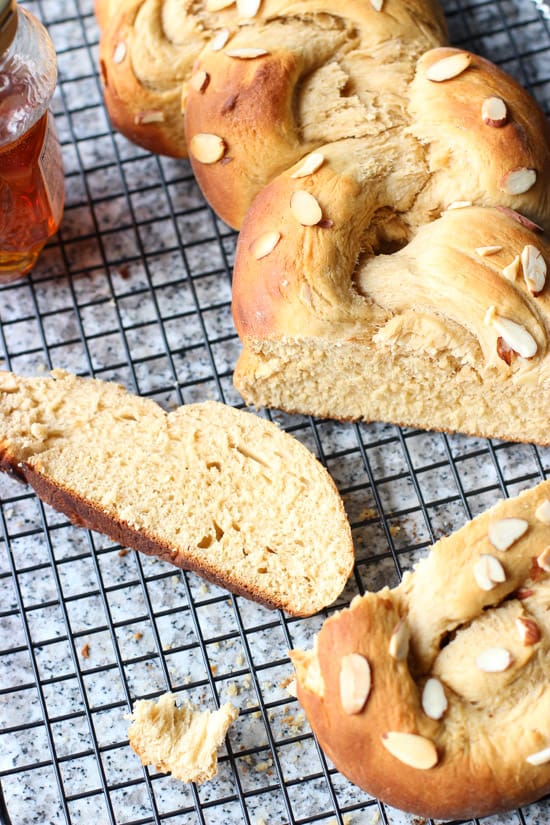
(206, 487)
(435, 696)
(340, 139)
(394, 279)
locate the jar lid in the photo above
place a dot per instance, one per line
(8, 23)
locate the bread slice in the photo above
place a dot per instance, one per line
(205, 487)
(179, 740)
(435, 696)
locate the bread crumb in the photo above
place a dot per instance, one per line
(182, 740)
(85, 651)
(262, 767)
(123, 552)
(138, 636)
(395, 529)
(232, 689)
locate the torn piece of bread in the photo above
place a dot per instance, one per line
(206, 487)
(182, 740)
(435, 696)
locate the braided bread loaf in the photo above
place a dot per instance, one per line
(435, 696)
(359, 291)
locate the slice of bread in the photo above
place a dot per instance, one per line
(179, 740)
(206, 487)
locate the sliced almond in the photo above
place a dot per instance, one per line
(218, 5)
(264, 244)
(506, 531)
(449, 67)
(200, 81)
(528, 629)
(511, 271)
(494, 660)
(543, 560)
(488, 572)
(305, 208)
(539, 758)
(534, 268)
(542, 513)
(515, 336)
(219, 40)
(504, 351)
(411, 749)
(459, 205)
(484, 251)
(518, 181)
(494, 111)
(248, 8)
(399, 641)
(521, 219)
(309, 165)
(207, 148)
(377, 4)
(246, 53)
(434, 701)
(149, 116)
(120, 52)
(355, 683)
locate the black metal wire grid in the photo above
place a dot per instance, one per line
(136, 288)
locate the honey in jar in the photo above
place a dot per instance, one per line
(32, 186)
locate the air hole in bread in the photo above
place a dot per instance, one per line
(219, 531)
(214, 465)
(205, 542)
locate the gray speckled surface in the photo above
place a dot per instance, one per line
(136, 289)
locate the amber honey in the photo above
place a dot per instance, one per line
(32, 186)
(31, 197)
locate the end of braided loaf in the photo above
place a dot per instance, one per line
(434, 696)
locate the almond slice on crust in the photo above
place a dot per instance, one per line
(494, 660)
(534, 269)
(305, 208)
(207, 148)
(506, 531)
(518, 181)
(434, 701)
(355, 683)
(494, 112)
(219, 40)
(309, 165)
(542, 513)
(449, 67)
(246, 53)
(248, 8)
(264, 244)
(411, 749)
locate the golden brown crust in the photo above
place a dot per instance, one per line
(493, 721)
(392, 271)
(150, 50)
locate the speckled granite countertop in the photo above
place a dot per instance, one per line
(136, 288)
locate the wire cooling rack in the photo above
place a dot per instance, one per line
(136, 288)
